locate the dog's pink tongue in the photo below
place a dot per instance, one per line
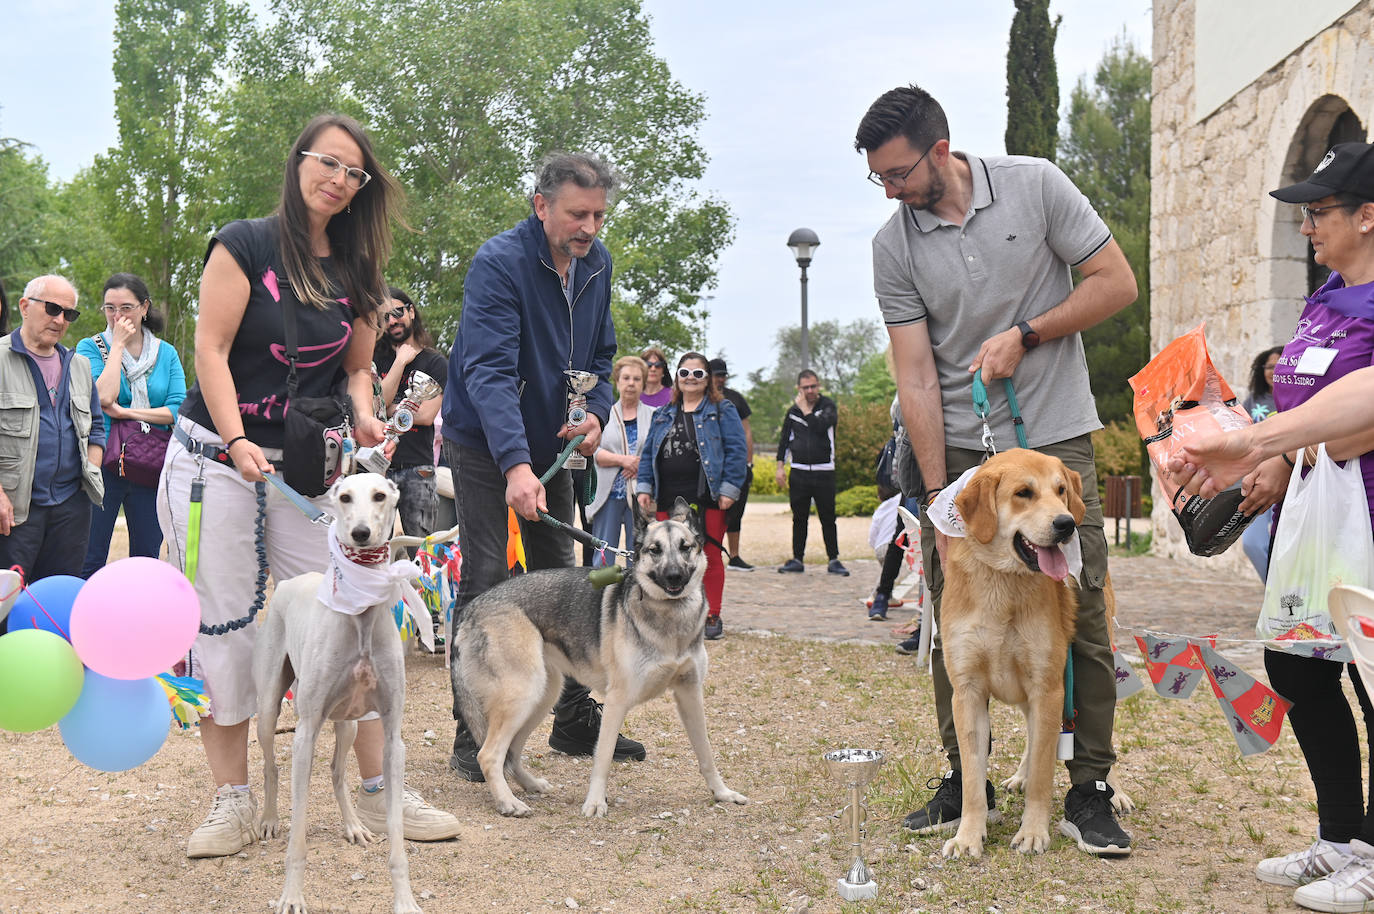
(1052, 561)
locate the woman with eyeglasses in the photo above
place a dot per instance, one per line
(617, 459)
(317, 262)
(1334, 337)
(696, 451)
(146, 386)
(658, 386)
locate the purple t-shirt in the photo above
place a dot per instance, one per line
(659, 399)
(50, 367)
(1340, 318)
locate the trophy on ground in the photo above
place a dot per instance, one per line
(854, 768)
(580, 383)
(422, 387)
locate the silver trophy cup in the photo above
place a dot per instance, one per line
(422, 387)
(854, 768)
(580, 384)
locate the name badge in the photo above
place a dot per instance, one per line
(1315, 361)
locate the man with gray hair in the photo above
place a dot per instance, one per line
(536, 302)
(52, 439)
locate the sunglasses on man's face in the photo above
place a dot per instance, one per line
(697, 373)
(54, 309)
(396, 314)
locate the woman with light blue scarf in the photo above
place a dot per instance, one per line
(148, 386)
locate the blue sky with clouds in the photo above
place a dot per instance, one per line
(785, 86)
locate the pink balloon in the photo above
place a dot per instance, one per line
(135, 618)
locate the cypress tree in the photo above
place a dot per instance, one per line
(1032, 81)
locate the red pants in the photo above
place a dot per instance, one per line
(715, 567)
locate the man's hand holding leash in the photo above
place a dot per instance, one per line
(524, 492)
(999, 355)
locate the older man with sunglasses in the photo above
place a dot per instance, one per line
(51, 437)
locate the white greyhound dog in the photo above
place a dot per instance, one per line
(340, 644)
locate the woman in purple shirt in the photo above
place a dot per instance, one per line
(1334, 336)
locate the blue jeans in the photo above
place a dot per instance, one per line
(1255, 542)
(615, 515)
(140, 514)
(419, 501)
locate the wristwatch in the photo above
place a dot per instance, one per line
(1029, 338)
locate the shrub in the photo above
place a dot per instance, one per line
(863, 430)
(765, 476)
(1118, 451)
(857, 501)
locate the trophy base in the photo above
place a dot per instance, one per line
(856, 891)
(575, 462)
(374, 460)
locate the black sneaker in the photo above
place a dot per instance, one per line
(1089, 820)
(576, 733)
(464, 757)
(944, 810)
(911, 646)
(715, 629)
(739, 564)
(835, 567)
(792, 566)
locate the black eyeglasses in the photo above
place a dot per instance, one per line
(1310, 213)
(54, 309)
(897, 182)
(356, 178)
(697, 373)
(397, 313)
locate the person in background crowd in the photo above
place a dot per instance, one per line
(1259, 403)
(964, 287)
(695, 451)
(4, 311)
(617, 459)
(316, 261)
(52, 440)
(148, 386)
(658, 387)
(536, 302)
(1334, 338)
(403, 348)
(734, 518)
(807, 442)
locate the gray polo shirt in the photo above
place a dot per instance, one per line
(1010, 261)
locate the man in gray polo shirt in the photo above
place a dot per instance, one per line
(973, 271)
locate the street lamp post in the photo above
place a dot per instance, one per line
(802, 242)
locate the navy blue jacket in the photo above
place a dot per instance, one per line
(506, 391)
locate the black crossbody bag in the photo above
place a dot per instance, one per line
(315, 427)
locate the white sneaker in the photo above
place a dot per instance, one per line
(1302, 867)
(1348, 890)
(229, 827)
(419, 820)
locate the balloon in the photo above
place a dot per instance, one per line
(117, 724)
(135, 618)
(40, 679)
(47, 604)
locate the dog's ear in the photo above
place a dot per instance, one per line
(977, 505)
(641, 518)
(682, 512)
(1075, 499)
(393, 490)
(333, 493)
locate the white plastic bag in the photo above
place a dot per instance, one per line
(1323, 540)
(884, 525)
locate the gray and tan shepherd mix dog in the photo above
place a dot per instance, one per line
(629, 642)
(1007, 619)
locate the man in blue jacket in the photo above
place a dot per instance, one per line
(536, 302)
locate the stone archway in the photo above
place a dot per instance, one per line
(1292, 271)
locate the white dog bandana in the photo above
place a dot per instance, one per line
(350, 588)
(945, 517)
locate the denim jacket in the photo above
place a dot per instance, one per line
(720, 442)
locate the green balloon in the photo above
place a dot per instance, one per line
(40, 679)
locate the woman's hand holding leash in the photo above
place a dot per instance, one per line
(248, 458)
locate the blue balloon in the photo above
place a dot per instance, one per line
(117, 724)
(56, 596)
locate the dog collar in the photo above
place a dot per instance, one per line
(372, 555)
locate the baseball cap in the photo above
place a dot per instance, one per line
(1347, 169)
(717, 366)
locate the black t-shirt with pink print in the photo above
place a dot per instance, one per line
(257, 356)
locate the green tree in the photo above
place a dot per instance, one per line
(26, 201)
(1032, 81)
(1106, 152)
(463, 99)
(168, 63)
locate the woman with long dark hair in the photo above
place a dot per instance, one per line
(317, 262)
(147, 385)
(696, 451)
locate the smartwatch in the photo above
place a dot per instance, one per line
(1029, 338)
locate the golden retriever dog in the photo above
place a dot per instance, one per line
(1007, 619)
